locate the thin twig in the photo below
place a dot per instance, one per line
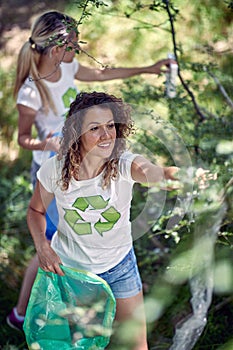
(226, 301)
(185, 85)
(221, 88)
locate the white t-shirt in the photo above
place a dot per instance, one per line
(63, 92)
(94, 230)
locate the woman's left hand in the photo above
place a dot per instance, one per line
(156, 68)
(202, 177)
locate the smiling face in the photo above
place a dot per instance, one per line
(98, 133)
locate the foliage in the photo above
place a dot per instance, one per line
(8, 113)
(194, 129)
(16, 244)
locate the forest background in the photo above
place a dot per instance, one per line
(184, 241)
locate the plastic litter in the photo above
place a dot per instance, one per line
(75, 311)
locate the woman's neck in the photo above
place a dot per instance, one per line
(90, 168)
(49, 70)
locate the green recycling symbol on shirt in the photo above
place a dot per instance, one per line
(81, 227)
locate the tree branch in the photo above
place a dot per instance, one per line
(221, 88)
(185, 85)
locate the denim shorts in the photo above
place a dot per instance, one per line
(124, 278)
(51, 213)
(34, 168)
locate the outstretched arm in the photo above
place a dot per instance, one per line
(48, 259)
(143, 171)
(91, 74)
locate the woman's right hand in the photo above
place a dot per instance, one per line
(49, 261)
(52, 143)
(25, 138)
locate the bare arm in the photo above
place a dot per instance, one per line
(48, 259)
(25, 122)
(91, 74)
(143, 171)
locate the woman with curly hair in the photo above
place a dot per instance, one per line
(92, 178)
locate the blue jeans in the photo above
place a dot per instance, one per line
(51, 213)
(124, 278)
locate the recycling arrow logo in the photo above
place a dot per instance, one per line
(69, 96)
(80, 226)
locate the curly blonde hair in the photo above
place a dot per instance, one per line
(72, 130)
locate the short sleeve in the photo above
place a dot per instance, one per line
(29, 96)
(125, 163)
(48, 174)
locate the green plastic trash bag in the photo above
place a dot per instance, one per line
(75, 311)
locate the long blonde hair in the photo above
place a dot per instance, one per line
(50, 29)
